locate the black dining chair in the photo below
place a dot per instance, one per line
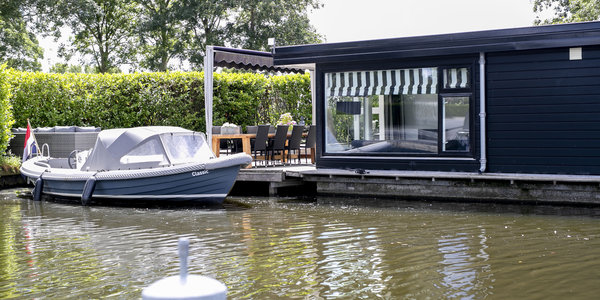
(251, 130)
(259, 145)
(278, 143)
(311, 142)
(294, 142)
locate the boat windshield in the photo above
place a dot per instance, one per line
(184, 148)
(148, 154)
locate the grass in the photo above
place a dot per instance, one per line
(10, 164)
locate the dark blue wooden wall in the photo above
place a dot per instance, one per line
(543, 111)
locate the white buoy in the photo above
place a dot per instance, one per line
(185, 286)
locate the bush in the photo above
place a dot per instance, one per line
(107, 100)
(6, 114)
(143, 99)
(236, 97)
(289, 93)
(10, 164)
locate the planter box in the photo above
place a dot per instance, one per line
(230, 130)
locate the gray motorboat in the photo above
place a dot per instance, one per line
(143, 163)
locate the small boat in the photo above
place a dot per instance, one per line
(142, 163)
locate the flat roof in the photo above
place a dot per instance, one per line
(525, 38)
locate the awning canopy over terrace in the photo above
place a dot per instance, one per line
(239, 59)
(250, 60)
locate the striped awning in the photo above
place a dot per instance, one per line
(456, 78)
(381, 82)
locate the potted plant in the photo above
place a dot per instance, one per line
(286, 119)
(229, 128)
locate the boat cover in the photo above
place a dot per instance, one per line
(146, 147)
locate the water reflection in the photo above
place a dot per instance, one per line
(319, 250)
(463, 269)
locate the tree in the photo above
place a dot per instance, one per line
(246, 24)
(19, 48)
(567, 11)
(103, 29)
(160, 30)
(205, 23)
(62, 68)
(285, 20)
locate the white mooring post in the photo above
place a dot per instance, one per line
(184, 286)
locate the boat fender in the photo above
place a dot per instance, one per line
(88, 190)
(37, 189)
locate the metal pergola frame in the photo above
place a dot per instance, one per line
(242, 59)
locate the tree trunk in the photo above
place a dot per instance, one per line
(164, 51)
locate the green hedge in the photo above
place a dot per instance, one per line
(6, 114)
(291, 94)
(142, 99)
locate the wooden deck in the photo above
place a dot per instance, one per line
(451, 186)
(276, 177)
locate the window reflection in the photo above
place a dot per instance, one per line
(397, 111)
(456, 124)
(392, 111)
(464, 263)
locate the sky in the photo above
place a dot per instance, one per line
(352, 20)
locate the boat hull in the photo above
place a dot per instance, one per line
(208, 181)
(199, 185)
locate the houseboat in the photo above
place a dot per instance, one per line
(495, 115)
(522, 100)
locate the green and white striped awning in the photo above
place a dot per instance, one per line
(456, 78)
(381, 82)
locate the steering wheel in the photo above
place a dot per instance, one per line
(72, 159)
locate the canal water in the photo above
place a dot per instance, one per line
(288, 249)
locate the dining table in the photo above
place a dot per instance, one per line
(245, 137)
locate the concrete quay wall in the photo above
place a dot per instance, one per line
(10, 180)
(523, 188)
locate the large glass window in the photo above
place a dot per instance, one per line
(396, 111)
(456, 123)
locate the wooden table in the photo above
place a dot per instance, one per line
(245, 137)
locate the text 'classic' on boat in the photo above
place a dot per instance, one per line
(142, 163)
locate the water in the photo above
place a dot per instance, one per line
(280, 249)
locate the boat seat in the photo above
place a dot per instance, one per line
(42, 163)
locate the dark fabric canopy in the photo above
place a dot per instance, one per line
(249, 60)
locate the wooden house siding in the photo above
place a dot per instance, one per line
(543, 111)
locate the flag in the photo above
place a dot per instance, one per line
(31, 147)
